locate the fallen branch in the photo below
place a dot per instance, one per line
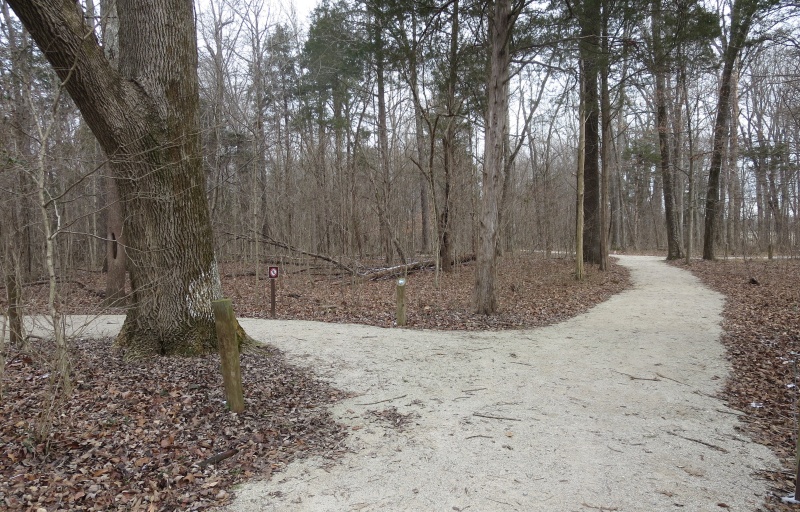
(383, 401)
(218, 457)
(400, 270)
(283, 245)
(473, 390)
(712, 446)
(61, 280)
(638, 378)
(494, 417)
(673, 380)
(271, 241)
(600, 508)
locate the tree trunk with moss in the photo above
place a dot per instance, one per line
(145, 115)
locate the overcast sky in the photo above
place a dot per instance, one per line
(279, 7)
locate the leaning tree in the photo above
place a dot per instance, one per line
(144, 113)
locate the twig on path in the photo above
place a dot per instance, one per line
(600, 508)
(697, 391)
(734, 413)
(515, 362)
(473, 437)
(494, 417)
(500, 502)
(673, 380)
(712, 446)
(472, 390)
(637, 378)
(383, 401)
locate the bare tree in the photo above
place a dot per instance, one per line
(743, 14)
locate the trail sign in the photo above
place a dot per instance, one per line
(273, 275)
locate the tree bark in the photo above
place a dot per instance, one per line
(605, 147)
(580, 189)
(590, 54)
(115, 246)
(501, 23)
(145, 116)
(449, 147)
(666, 166)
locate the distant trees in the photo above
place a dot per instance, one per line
(397, 130)
(743, 14)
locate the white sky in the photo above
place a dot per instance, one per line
(281, 8)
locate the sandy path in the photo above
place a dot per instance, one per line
(584, 434)
(608, 411)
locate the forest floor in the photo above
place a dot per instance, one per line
(139, 437)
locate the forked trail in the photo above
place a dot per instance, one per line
(612, 410)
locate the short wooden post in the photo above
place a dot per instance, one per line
(229, 353)
(401, 302)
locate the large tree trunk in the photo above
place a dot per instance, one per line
(449, 147)
(590, 54)
(605, 151)
(501, 23)
(443, 227)
(116, 267)
(666, 167)
(146, 118)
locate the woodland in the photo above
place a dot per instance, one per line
(154, 160)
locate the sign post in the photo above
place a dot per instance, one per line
(273, 275)
(400, 313)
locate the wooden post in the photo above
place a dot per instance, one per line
(229, 353)
(272, 297)
(401, 302)
(273, 275)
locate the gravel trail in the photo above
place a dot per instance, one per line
(613, 410)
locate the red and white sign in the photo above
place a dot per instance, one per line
(273, 272)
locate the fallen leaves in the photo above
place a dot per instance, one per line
(155, 435)
(532, 291)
